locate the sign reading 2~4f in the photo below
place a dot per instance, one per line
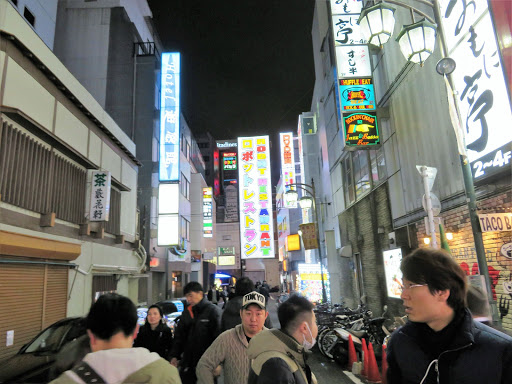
(361, 129)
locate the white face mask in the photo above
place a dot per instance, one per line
(306, 344)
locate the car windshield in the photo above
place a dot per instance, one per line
(49, 340)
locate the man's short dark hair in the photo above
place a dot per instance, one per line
(437, 269)
(243, 286)
(193, 286)
(293, 312)
(111, 314)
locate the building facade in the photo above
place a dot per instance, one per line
(54, 257)
(377, 194)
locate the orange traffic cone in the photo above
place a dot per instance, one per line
(352, 357)
(364, 372)
(372, 374)
(384, 365)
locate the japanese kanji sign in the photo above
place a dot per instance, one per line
(346, 30)
(287, 159)
(309, 238)
(353, 61)
(100, 196)
(170, 118)
(345, 7)
(207, 212)
(256, 218)
(480, 84)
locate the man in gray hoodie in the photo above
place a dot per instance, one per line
(112, 326)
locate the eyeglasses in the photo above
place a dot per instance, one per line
(406, 287)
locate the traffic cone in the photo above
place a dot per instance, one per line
(352, 357)
(372, 373)
(364, 371)
(384, 365)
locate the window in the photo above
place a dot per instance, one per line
(15, 2)
(29, 16)
(185, 187)
(361, 172)
(185, 229)
(226, 237)
(348, 186)
(187, 151)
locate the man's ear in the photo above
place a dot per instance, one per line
(92, 339)
(266, 315)
(135, 332)
(443, 295)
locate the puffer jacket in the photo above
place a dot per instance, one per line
(277, 358)
(158, 340)
(193, 336)
(478, 354)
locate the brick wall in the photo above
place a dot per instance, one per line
(462, 249)
(365, 226)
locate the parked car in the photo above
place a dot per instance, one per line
(33, 361)
(171, 306)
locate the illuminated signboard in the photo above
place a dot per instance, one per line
(256, 219)
(229, 161)
(226, 260)
(392, 259)
(170, 118)
(479, 78)
(343, 7)
(207, 212)
(309, 281)
(361, 129)
(346, 30)
(226, 251)
(357, 94)
(168, 214)
(353, 61)
(287, 159)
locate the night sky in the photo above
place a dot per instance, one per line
(247, 65)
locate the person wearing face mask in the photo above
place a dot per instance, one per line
(278, 356)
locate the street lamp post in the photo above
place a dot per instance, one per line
(417, 43)
(303, 202)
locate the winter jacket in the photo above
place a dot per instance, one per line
(230, 350)
(158, 340)
(277, 358)
(126, 365)
(476, 354)
(231, 314)
(193, 336)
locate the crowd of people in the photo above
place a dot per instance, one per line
(443, 342)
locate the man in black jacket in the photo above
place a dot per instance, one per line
(198, 327)
(441, 343)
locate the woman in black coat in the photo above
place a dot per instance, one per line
(155, 335)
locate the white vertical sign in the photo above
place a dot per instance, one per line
(287, 159)
(256, 217)
(100, 196)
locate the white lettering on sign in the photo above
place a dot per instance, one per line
(495, 222)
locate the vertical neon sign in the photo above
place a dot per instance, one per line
(170, 118)
(256, 218)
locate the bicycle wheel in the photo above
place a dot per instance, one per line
(327, 342)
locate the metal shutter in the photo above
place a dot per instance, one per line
(32, 297)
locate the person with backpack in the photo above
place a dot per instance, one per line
(278, 356)
(112, 326)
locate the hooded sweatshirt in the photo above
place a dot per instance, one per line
(130, 365)
(277, 358)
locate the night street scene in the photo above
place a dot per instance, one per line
(256, 191)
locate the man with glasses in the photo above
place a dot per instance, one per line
(441, 343)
